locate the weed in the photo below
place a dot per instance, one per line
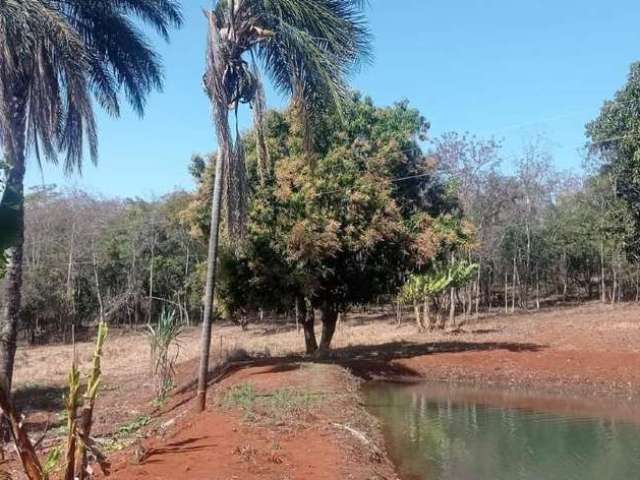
(287, 399)
(241, 396)
(280, 405)
(159, 402)
(125, 435)
(163, 340)
(52, 461)
(132, 427)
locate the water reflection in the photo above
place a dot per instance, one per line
(433, 434)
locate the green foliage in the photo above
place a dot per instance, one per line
(126, 433)
(437, 279)
(413, 289)
(75, 237)
(587, 229)
(288, 399)
(282, 404)
(340, 231)
(101, 61)
(52, 461)
(164, 350)
(240, 396)
(9, 201)
(8, 217)
(132, 427)
(461, 273)
(307, 50)
(615, 137)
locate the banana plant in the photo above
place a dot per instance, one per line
(427, 286)
(412, 293)
(462, 273)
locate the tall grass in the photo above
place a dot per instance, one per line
(164, 350)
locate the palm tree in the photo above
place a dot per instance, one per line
(307, 48)
(56, 57)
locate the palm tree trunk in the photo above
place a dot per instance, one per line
(212, 261)
(220, 103)
(14, 150)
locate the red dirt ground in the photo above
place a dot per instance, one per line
(586, 351)
(548, 369)
(592, 350)
(218, 447)
(222, 445)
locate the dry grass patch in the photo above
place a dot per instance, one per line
(591, 326)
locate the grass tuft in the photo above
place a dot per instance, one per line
(281, 405)
(126, 434)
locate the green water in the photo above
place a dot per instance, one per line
(450, 435)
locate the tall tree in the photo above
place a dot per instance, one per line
(307, 49)
(55, 55)
(343, 231)
(615, 144)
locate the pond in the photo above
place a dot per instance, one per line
(436, 432)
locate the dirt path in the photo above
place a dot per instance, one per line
(302, 437)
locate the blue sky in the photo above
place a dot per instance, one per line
(492, 67)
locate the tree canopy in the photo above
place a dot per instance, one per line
(615, 146)
(341, 231)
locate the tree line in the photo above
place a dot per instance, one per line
(89, 259)
(375, 208)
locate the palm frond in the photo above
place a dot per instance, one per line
(307, 48)
(119, 52)
(42, 78)
(259, 106)
(316, 45)
(55, 55)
